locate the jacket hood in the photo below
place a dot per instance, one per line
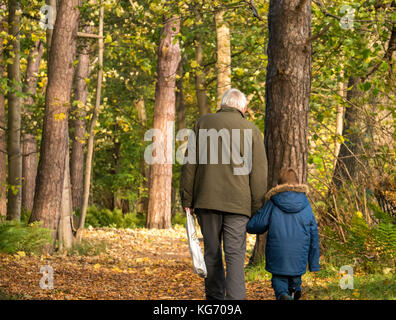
(289, 198)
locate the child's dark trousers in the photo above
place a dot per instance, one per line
(285, 284)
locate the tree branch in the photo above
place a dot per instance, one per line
(88, 35)
(318, 35)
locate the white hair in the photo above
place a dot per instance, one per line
(235, 99)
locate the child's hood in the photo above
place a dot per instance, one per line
(289, 198)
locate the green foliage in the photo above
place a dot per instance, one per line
(368, 247)
(325, 284)
(365, 287)
(257, 272)
(106, 218)
(88, 248)
(16, 236)
(179, 218)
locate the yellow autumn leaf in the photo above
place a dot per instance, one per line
(116, 269)
(60, 116)
(96, 266)
(359, 214)
(21, 253)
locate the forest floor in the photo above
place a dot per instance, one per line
(142, 264)
(115, 264)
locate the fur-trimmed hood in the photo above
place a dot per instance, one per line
(286, 187)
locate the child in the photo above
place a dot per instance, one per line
(292, 238)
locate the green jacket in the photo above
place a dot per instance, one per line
(217, 186)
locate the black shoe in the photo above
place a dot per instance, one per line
(285, 296)
(297, 295)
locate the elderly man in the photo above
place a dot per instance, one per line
(225, 190)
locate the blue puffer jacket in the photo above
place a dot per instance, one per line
(292, 238)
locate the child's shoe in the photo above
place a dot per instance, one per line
(297, 295)
(285, 296)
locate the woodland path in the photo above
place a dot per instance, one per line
(137, 264)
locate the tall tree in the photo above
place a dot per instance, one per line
(29, 144)
(3, 144)
(200, 85)
(160, 189)
(14, 115)
(348, 159)
(91, 130)
(79, 123)
(54, 146)
(223, 55)
(288, 86)
(345, 168)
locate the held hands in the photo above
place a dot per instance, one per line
(191, 210)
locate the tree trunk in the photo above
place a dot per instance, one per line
(339, 122)
(345, 168)
(200, 86)
(288, 86)
(180, 107)
(79, 125)
(160, 190)
(91, 131)
(223, 56)
(14, 117)
(50, 31)
(142, 205)
(3, 144)
(54, 147)
(65, 231)
(29, 144)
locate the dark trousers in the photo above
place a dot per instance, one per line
(215, 226)
(285, 284)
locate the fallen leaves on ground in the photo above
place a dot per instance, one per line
(138, 264)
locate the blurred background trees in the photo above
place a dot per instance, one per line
(350, 132)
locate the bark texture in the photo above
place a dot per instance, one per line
(79, 124)
(29, 144)
(3, 144)
(160, 189)
(14, 117)
(288, 86)
(54, 147)
(223, 56)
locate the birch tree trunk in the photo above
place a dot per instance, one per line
(29, 144)
(14, 116)
(288, 85)
(160, 189)
(54, 146)
(223, 56)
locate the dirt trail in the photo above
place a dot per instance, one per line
(137, 264)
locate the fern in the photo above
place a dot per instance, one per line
(16, 236)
